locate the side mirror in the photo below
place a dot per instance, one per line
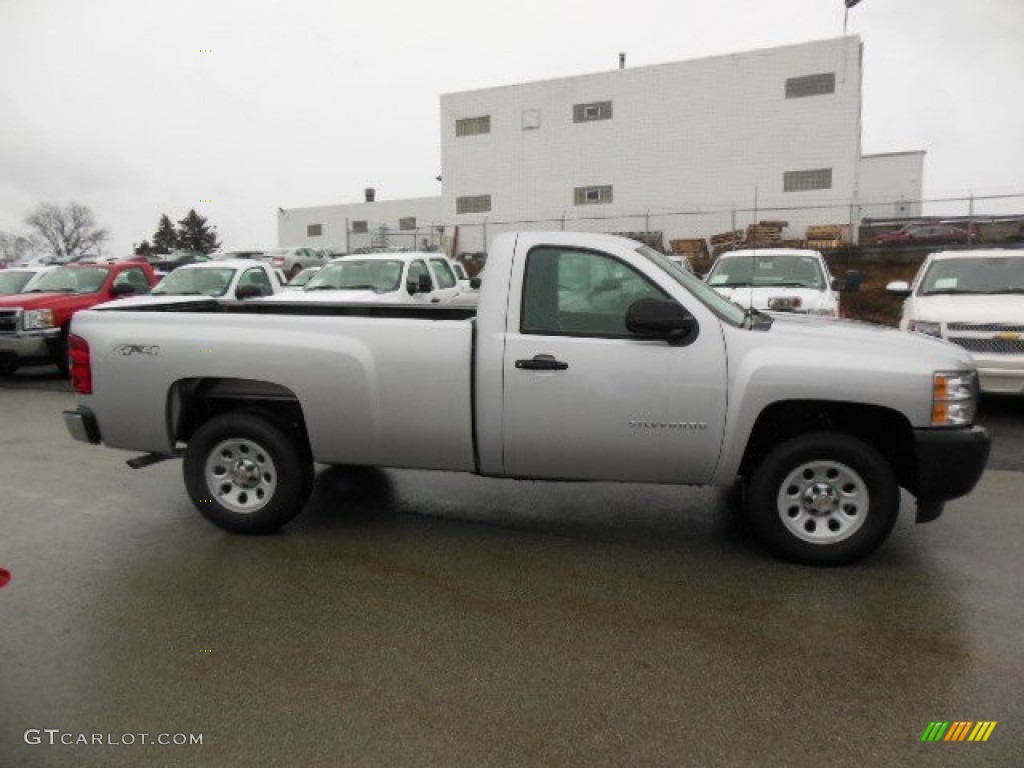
(475, 283)
(661, 319)
(898, 288)
(122, 289)
(852, 282)
(247, 292)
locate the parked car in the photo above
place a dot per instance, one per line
(781, 280)
(164, 264)
(382, 278)
(925, 234)
(975, 299)
(230, 280)
(35, 323)
(291, 261)
(17, 279)
(301, 278)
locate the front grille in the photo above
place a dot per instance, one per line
(9, 320)
(986, 327)
(993, 346)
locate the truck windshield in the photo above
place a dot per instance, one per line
(13, 280)
(185, 281)
(975, 274)
(71, 280)
(377, 275)
(721, 306)
(774, 270)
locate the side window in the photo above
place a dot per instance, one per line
(133, 277)
(257, 277)
(580, 293)
(416, 269)
(443, 273)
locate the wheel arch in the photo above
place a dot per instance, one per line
(887, 430)
(193, 401)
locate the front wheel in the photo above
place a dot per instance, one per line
(245, 474)
(823, 499)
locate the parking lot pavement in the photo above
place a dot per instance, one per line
(430, 619)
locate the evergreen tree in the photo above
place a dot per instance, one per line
(194, 234)
(144, 249)
(165, 239)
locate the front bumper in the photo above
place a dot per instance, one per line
(33, 345)
(949, 465)
(81, 424)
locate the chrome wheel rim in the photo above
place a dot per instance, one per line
(241, 475)
(823, 502)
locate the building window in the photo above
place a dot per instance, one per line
(598, 110)
(473, 204)
(360, 228)
(800, 181)
(811, 85)
(314, 230)
(471, 126)
(531, 119)
(592, 195)
(407, 222)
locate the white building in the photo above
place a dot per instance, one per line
(687, 148)
(891, 185)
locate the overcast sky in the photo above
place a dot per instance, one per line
(236, 107)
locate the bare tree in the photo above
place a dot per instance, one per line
(15, 247)
(66, 231)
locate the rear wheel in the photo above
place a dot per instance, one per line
(245, 474)
(823, 499)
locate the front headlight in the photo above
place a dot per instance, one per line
(927, 328)
(954, 398)
(37, 319)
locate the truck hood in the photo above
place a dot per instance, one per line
(878, 342)
(759, 297)
(37, 300)
(998, 308)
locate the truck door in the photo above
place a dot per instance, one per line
(585, 399)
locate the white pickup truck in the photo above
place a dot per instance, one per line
(589, 357)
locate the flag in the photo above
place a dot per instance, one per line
(851, 3)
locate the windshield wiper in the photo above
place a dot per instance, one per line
(50, 290)
(782, 284)
(730, 285)
(954, 292)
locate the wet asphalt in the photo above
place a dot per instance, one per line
(427, 619)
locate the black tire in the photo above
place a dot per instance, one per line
(823, 499)
(246, 474)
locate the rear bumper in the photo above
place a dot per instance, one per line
(949, 465)
(81, 424)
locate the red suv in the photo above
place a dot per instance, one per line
(34, 325)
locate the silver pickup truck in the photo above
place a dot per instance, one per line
(589, 357)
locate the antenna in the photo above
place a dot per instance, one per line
(753, 257)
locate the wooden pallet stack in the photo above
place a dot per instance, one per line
(726, 241)
(824, 236)
(694, 248)
(765, 233)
